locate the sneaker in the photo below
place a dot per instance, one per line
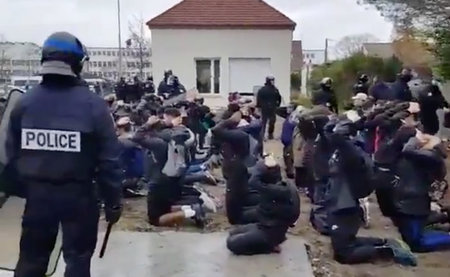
(210, 180)
(131, 193)
(208, 202)
(402, 252)
(199, 217)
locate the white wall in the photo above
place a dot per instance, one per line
(176, 50)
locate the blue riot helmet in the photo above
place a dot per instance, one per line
(63, 54)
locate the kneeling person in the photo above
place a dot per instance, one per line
(279, 209)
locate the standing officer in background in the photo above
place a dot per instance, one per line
(268, 100)
(326, 95)
(61, 137)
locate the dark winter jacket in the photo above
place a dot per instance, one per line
(325, 97)
(401, 91)
(417, 169)
(430, 100)
(351, 175)
(268, 99)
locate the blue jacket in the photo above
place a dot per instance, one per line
(287, 132)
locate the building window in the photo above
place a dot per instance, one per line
(312, 56)
(208, 75)
(108, 53)
(105, 64)
(114, 53)
(109, 64)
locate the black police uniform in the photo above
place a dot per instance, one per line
(61, 138)
(327, 97)
(268, 100)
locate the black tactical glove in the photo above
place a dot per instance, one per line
(112, 215)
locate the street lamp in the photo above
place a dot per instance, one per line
(120, 38)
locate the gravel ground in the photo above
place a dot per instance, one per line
(432, 264)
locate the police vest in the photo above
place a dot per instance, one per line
(51, 140)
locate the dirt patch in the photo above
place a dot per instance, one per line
(430, 265)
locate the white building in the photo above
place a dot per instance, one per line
(24, 59)
(19, 59)
(104, 62)
(222, 46)
(382, 50)
(313, 57)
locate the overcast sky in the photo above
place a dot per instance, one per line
(95, 21)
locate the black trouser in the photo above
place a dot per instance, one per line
(75, 208)
(288, 157)
(349, 249)
(237, 193)
(319, 209)
(162, 194)
(304, 178)
(268, 117)
(253, 239)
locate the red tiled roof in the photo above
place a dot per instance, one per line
(222, 14)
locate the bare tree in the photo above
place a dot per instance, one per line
(405, 13)
(412, 50)
(352, 44)
(138, 39)
(4, 60)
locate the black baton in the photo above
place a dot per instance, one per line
(105, 240)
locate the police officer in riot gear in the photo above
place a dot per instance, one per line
(121, 89)
(149, 87)
(362, 86)
(61, 137)
(268, 100)
(326, 95)
(164, 86)
(401, 88)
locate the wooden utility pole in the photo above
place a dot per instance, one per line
(326, 50)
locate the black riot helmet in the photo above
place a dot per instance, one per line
(406, 75)
(63, 54)
(270, 80)
(363, 78)
(167, 73)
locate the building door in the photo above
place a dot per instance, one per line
(248, 74)
(208, 75)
